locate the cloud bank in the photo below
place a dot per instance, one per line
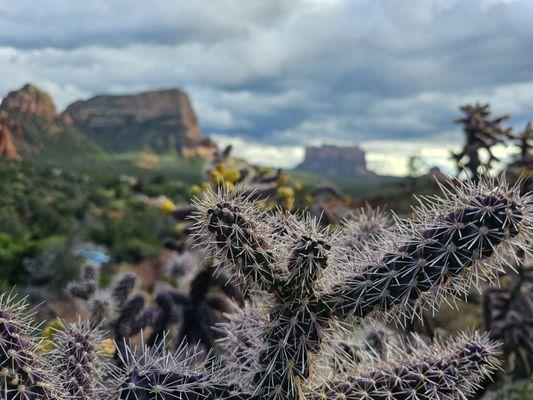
(277, 75)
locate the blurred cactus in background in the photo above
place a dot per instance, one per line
(482, 133)
(319, 200)
(196, 306)
(522, 166)
(508, 315)
(366, 344)
(121, 310)
(365, 226)
(524, 140)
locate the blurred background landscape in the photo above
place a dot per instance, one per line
(115, 114)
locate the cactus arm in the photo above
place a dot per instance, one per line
(78, 359)
(158, 375)
(229, 226)
(24, 371)
(447, 254)
(451, 370)
(294, 336)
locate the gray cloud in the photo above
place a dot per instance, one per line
(69, 24)
(285, 72)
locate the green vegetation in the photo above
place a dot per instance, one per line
(48, 206)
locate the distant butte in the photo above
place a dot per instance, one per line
(333, 161)
(159, 121)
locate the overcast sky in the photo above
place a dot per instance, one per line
(273, 76)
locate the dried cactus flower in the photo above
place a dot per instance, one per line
(78, 359)
(25, 374)
(309, 283)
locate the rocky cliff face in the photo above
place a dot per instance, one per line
(31, 101)
(334, 161)
(30, 125)
(158, 121)
(8, 150)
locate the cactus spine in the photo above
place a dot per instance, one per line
(24, 372)
(78, 360)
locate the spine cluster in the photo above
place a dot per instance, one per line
(78, 360)
(24, 372)
(154, 374)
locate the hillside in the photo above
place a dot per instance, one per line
(158, 121)
(31, 127)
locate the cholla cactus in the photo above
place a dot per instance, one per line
(482, 133)
(88, 285)
(447, 370)
(154, 374)
(183, 264)
(305, 284)
(78, 359)
(200, 300)
(120, 309)
(24, 372)
(525, 139)
(308, 283)
(368, 343)
(508, 313)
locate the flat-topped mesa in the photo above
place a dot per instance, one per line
(30, 100)
(158, 120)
(335, 161)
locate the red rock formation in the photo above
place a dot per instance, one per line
(158, 121)
(39, 126)
(30, 100)
(7, 147)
